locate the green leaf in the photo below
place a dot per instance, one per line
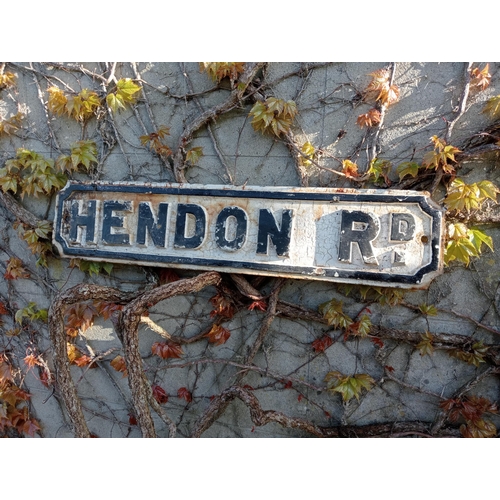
(348, 387)
(488, 190)
(428, 310)
(462, 249)
(492, 107)
(194, 154)
(477, 238)
(332, 312)
(407, 168)
(115, 102)
(425, 345)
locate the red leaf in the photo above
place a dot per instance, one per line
(258, 304)
(131, 419)
(183, 393)
(159, 394)
(3, 309)
(223, 306)
(299, 397)
(328, 414)
(390, 369)
(167, 350)
(106, 309)
(218, 335)
(288, 385)
(378, 342)
(30, 427)
(319, 345)
(248, 387)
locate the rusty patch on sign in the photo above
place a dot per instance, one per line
(375, 237)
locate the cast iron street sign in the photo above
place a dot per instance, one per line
(376, 237)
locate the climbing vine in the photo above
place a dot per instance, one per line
(231, 336)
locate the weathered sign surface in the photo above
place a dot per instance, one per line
(377, 237)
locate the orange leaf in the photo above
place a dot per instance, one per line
(480, 79)
(167, 350)
(223, 306)
(369, 119)
(218, 335)
(258, 304)
(119, 365)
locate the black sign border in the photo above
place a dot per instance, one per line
(302, 194)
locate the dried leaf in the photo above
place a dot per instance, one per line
(425, 345)
(480, 79)
(119, 364)
(218, 335)
(369, 119)
(167, 350)
(183, 393)
(159, 394)
(348, 386)
(323, 343)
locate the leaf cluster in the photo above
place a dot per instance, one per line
(32, 313)
(471, 409)
(14, 412)
(441, 156)
(80, 107)
(274, 116)
(126, 93)
(348, 386)
(474, 355)
(15, 269)
(7, 79)
(12, 124)
(469, 196)
(464, 243)
(380, 89)
(332, 311)
(219, 70)
(91, 267)
(32, 174)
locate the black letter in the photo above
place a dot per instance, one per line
(156, 229)
(78, 220)
(194, 241)
(109, 220)
(269, 227)
(402, 227)
(361, 228)
(221, 228)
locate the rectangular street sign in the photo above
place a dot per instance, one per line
(373, 237)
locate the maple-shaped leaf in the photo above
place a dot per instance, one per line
(5, 371)
(332, 312)
(57, 101)
(425, 345)
(194, 154)
(159, 394)
(428, 309)
(359, 328)
(349, 168)
(183, 393)
(30, 360)
(83, 360)
(79, 318)
(30, 427)
(107, 309)
(323, 343)
(369, 119)
(223, 306)
(473, 356)
(115, 102)
(478, 429)
(119, 364)
(348, 386)
(126, 93)
(492, 107)
(407, 168)
(11, 125)
(380, 88)
(477, 238)
(480, 79)
(15, 270)
(261, 305)
(219, 70)
(441, 156)
(7, 79)
(167, 350)
(218, 335)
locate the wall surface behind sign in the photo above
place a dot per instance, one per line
(250, 356)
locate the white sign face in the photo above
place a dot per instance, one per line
(374, 237)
